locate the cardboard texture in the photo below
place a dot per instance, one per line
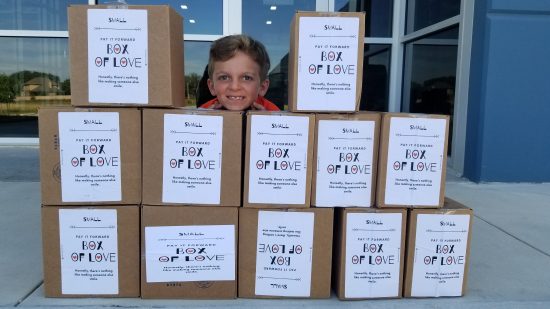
(177, 216)
(379, 252)
(437, 266)
(129, 161)
(344, 175)
(194, 148)
(412, 160)
(162, 59)
(278, 160)
(326, 61)
(321, 253)
(127, 255)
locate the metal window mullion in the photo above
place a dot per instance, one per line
(34, 33)
(232, 17)
(460, 115)
(431, 29)
(396, 60)
(370, 40)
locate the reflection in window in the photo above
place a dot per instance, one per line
(35, 14)
(376, 69)
(268, 21)
(199, 16)
(196, 61)
(378, 19)
(424, 13)
(430, 74)
(34, 72)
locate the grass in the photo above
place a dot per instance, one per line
(28, 108)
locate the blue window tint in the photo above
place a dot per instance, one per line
(35, 14)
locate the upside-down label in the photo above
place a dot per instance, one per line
(373, 246)
(117, 56)
(415, 161)
(90, 156)
(439, 255)
(344, 163)
(89, 251)
(327, 63)
(278, 159)
(284, 253)
(190, 253)
(192, 159)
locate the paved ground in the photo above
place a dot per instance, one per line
(510, 254)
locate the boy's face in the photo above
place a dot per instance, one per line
(236, 82)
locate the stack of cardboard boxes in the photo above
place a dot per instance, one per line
(140, 200)
(385, 172)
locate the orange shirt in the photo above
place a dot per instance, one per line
(268, 105)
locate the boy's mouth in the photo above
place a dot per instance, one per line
(235, 98)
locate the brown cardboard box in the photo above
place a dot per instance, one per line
(279, 151)
(369, 252)
(98, 245)
(170, 263)
(345, 160)
(438, 251)
(412, 160)
(176, 174)
(326, 61)
(146, 65)
(98, 169)
(293, 245)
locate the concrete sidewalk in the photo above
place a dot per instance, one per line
(509, 263)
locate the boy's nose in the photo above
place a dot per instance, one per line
(235, 84)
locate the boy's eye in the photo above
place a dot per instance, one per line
(223, 77)
(248, 77)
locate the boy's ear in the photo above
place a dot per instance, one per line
(264, 86)
(211, 87)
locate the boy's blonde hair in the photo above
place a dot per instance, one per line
(225, 48)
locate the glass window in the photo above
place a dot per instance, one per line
(424, 13)
(430, 74)
(268, 21)
(199, 16)
(33, 72)
(196, 61)
(376, 77)
(378, 19)
(35, 14)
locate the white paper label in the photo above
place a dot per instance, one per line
(344, 163)
(192, 164)
(415, 161)
(284, 253)
(89, 251)
(373, 246)
(327, 63)
(439, 255)
(190, 253)
(89, 145)
(117, 56)
(278, 159)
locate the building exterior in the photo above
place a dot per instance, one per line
(481, 62)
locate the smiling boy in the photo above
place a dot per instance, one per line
(237, 70)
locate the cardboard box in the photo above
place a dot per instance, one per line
(326, 61)
(90, 156)
(279, 151)
(345, 161)
(369, 252)
(141, 63)
(438, 251)
(189, 252)
(91, 252)
(413, 160)
(285, 253)
(192, 157)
